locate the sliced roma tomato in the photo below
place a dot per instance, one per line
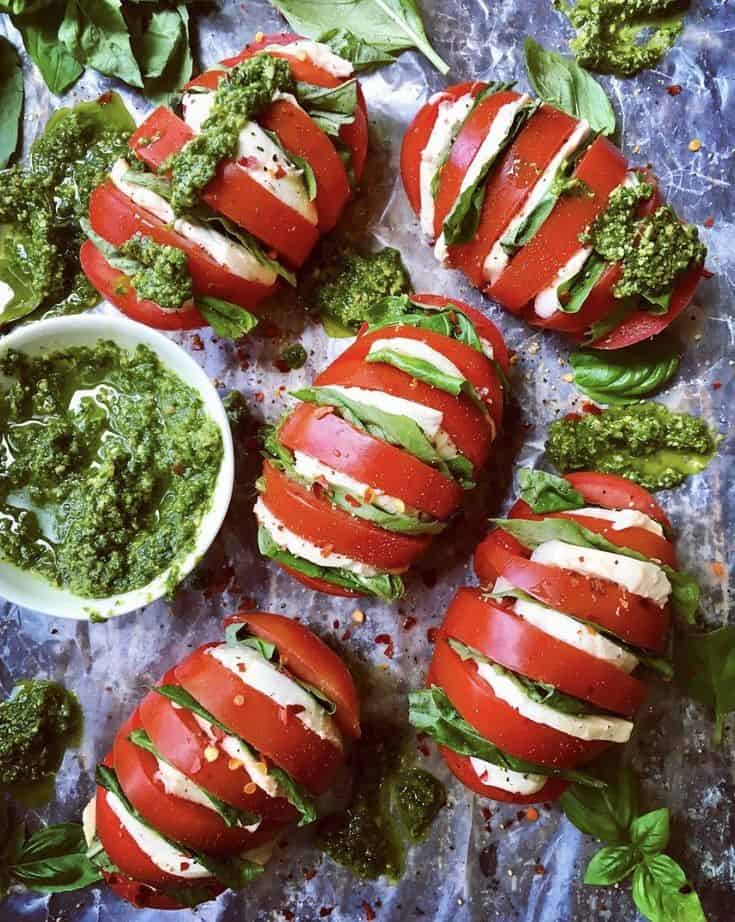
(315, 519)
(233, 192)
(486, 329)
(466, 145)
(465, 424)
(179, 738)
(473, 365)
(144, 897)
(498, 722)
(613, 492)
(510, 183)
(418, 134)
(274, 731)
(321, 585)
(461, 768)
(310, 659)
(508, 640)
(534, 267)
(320, 433)
(117, 288)
(630, 617)
(193, 825)
(117, 218)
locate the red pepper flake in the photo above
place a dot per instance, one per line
(250, 163)
(178, 468)
(369, 911)
(572, 417)
(674, 89)
(309, 873)
(346, 636)
(184, 866)
(196, 343)
(388, 641)
(241, 667)
(355, 503)
(539, 869)
(424, 750)
(288, 915)
(327, 550)
(591, 408)
(717, 568)
(335, 624)
(259, 397)
(709, 222)
(716, 385)
(326, 911)
(409, 623)
(486, 813)
(432, 634)
(532, 814)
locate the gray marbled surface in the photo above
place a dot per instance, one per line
(472, 867)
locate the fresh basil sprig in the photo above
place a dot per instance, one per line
(361, 54)
(627, 375)
(545, 492)
(705, 670)
(228, 320)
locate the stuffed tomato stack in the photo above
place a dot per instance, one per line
(537, 672)
(373, 463)
(546, 218)
(230, 747)
(234, 195)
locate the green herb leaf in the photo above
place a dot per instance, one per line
(96, 34)
(705, 670)
(606, 812)
(54, 860)
(238, 633)
(308, 174)
(618, 315)
(574, 292)
(659, 899)
(330, 107)
(391, 521)
(448, 321)
(627, 375)
(611, 865)
(422, 370)
(11, 100)
(361, 54)
(40, 30)
(388, 25)
(228, 320)
(546, 492)
(650, 832)
(162, 48)
(561, 82)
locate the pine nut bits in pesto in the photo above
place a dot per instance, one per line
(108, 462)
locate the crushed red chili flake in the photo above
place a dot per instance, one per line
(573, 416)
(409, 623)
(288, 915)
(591, 408)
(335, 623)
(178, 468)
(716, 385)
(259, 397)
(539, 869)
(326, 911)
(388, 641)
(241, 667)
(432, 634)
(486, 813)
(309, 873)
(424, 750)
(709, 222)
(674, 89)
(184, 866)
(347, 634)
(369, 911)
(355, 503)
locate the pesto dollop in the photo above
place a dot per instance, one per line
(646, 443)
(623, 37)
(164, 276)
(108, 462)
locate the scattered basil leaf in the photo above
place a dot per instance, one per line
(96, 34)
(650, 832)
(226, 319)
(40, 31)
(705, 670)
(659, 899)
(546, 492)
(606, 812)
(162, 48)
(361, 54)
(52, 860)
(627, 375)
(611, 865)
(11, 100)
(561, 82)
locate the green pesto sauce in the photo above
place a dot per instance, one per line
(108, 462)
(393, 803)
(164, 277)
(344, 287)
(242, 93)
(646, 443)
(38, 723)
(623, 37)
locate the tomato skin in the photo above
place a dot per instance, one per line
(276, 734)
(232, 192)
(321, 585)
(336, 443)
(310, 659)
(117, 218)
(313, 518)
(614, 492)
(498, 633)
(116, 287)
(461, 767)
(634, 619)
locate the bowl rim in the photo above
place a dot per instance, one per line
(24, 588)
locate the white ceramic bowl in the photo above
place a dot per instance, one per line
(31, 591)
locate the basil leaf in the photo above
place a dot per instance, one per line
(228, 320)
(424, 371)
(158, 184)
(650, 832)
(308, 174)
(156, 44)
(11, 100)
(96, 34)
(40, 30)
(266, 649)
(666, 872)
(659, 899)
(385, 586)
(330, 107)
(387, 25)
(605, 813)
(627, 375)
(161, 46)
(611, 865)
(54, 860)
(391, 521)
(361, 54)
(705, 670)
(561, 82)
(431, 712)
(112, 254)
(546, 492)
(447, 321)
(574, 292)
(600, 328)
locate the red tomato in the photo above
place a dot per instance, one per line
(117, 218)
(508, 640)
(319, 432)
(309, 659)
(232, 192)
(315, 519)
(613, 492)
(144, 897)
(418, 134)
(321, 585)
(510, 183)
(116, 287)
(630, 617)
(465, 424)
(534, 267)
(275, 732)
(461, 768)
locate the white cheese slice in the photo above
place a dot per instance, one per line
(165, 856)
(487, 348)
(622, 518)
(638, 576)
(547, 302)
(89, 821)
(497, 259)
(232, 747)
(488, 150)
(583, 727)
(514, 782)
(416, 349)
(260, 156)
(317, 53)
(6, 295)
(300, 547)
(142, 196)
(256, 672)
(449, 118)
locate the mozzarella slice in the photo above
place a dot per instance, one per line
(260, 156)
(489, 149)
(300, 547)
(570, 631)
(165, 856)
(622, 518)
(449, 118)
(547, 302)
(255, 767)
(497, 259)
(89, 821)
(255, 671)
(639, 576)
(319, 54)
(6, 295)
(515, 782)
(142, 196)
(583, 727)
(416, 349)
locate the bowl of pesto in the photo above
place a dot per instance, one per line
(116, 466)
